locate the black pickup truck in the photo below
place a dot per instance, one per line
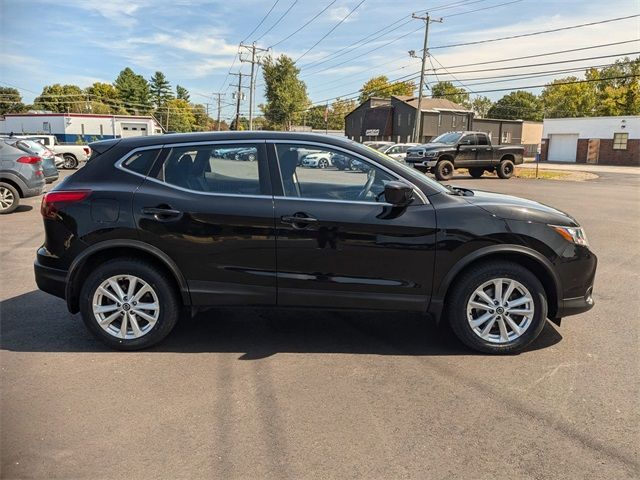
(472, 150)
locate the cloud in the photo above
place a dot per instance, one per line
(194, 43)
(338, 13)
(120, 12)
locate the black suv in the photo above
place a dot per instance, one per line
(155, 226)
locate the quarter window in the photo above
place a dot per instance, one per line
(322, 173)
(620, 141)
(141, 162)
(215, 168)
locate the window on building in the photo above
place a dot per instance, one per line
(439, 120)
(453, 121)
(399, 119)
(506, 137)
(620, 141)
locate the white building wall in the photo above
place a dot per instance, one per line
(32, 124)
(592, 127)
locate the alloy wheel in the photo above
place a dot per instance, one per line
(500, 310)
(126, 307)
(6, 198)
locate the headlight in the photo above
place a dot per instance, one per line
(430, 154)
(572, 234)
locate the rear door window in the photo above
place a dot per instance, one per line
(236, 169)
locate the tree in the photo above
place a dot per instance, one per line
(10, 101)
(202, 121)
(182, 93)
(518, 105)
(104, 99)
(285, 93)
(618, 91)
(61, 98)
(339, 110)
(314, 117)
(380, 87)
(181, 116)
(449, 91)
(563, 99)
(133, 90)
(481, 105)
(159, 89)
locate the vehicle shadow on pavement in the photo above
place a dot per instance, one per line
(37, 322)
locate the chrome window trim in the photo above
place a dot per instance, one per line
(331, 200)
(416, 190)
(119, 166)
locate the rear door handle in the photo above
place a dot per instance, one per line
(162, 214)
(299, 220)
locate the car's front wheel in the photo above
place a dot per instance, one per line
(323, 163)
(444, 170)
(497, 307)
(129, 304)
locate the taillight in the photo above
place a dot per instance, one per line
(29, 160)
(87, 150)
(53, 200)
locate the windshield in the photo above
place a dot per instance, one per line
(448, 138)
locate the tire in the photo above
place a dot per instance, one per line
(444, 170)
(251, 157)
(323, 163)
(70, 162)
(476, 172)
(9, 198)
(461, 313)
(505, 169)
(163, 295)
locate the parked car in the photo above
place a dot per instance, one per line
(397, 151)
(21, 176)
(138, 236)
(72, 154)
(378, 145)
(472, 150)
(36, 149)
(317, 160)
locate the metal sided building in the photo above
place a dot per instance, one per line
(79, 127)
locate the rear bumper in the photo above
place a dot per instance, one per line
(50, 280)
(33, 191)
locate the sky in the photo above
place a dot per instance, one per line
(195, 42)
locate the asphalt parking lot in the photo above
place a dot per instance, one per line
(266, 394)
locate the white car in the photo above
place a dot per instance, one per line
(398, 151)
(72, 154)
(317, 160)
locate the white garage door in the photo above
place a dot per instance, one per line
(563, 147)
(133, 129)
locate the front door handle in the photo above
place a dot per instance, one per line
(299, 220)
(162, 213)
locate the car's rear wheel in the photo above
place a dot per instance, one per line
(323, 163)
(497, 307)
(476, 172)
(129, 304)
(70, 162)
(505, 169)
(444, 170)
(9, 198)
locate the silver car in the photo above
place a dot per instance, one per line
(21, 176)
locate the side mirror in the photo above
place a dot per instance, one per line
(398, 193)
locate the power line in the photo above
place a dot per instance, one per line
(536, 33)
(332, 29)
(278, 21)
(303, 26)
(481, 9)
(544, 54)
(261, 21)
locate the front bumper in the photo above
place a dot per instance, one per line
(421, 163)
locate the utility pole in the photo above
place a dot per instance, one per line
(219, 95)
(417, 132)
(239, 96)
(255, 60)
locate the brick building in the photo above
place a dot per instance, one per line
(597, 140)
